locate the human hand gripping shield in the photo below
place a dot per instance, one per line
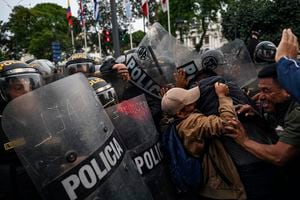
(159, 55)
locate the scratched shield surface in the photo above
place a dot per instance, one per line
(132, 118)
(68, 145)
(157, 57)
(238, 65)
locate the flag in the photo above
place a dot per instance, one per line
(145, 8)
(96, 11)
(127, 6)
(69, 15)
(82, 19)
(164, 5)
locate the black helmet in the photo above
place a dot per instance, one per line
(211, 59)
(45, 67)
(17, 78)
(265, 51)
(105, 92)
(80, 62)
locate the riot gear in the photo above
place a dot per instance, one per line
(80, 62)
(70, 149)
(265, 52)
(143, 144)
(211, 59)
(105, 92)
(45, 67)
(17, 78)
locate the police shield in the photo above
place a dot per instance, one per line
(69, 146)
(132, 119)
(158, 56)
(237, 66)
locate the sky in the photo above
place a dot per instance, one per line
(7, 5)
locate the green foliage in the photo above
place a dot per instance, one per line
(4, 41)
(191, 15)
(34, 29)
(137, 37)
(270, 17)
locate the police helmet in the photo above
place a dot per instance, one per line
(211, 59)
(105, 92)
(265, 51)
(45, 67)
(121, 59)
(17, 78)
(80, 62)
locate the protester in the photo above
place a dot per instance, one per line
(288, 68)
(16, 78)
(195, 129)
(256, 175)
(285, 112)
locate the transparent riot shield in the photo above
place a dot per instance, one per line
(69, 146)
(157, 57)
(133, 120)
(238, 66)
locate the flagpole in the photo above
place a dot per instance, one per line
(130, 35)
(85, 40)
(127, 6)
(169, 24)
(99, 41)
(144, 24)
(148, 14)
(72, 36)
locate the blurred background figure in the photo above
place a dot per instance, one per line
(252, 42)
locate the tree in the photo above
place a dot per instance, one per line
(269, 16)
(34, 29)
(5, 42)
(19, 25)
(192, 15)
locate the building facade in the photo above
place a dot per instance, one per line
(213, 38)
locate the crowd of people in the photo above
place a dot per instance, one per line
(248, 145)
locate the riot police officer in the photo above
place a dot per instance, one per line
(16, 78)
(46, 68)
(105, 92)
(80, 62)
(265, 52)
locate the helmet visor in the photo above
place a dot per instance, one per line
(17, 85)
(107, 96)
(84, 68)
(267, 54)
